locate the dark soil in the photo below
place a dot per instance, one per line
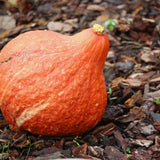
(130, 128)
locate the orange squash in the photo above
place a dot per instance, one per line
(53, 84)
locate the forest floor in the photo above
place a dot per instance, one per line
(130, 127)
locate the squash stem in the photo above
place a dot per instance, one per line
(98, 29)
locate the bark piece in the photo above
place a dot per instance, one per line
(141, 142)
(140, 154)
(147, 129)
(111, 153)
(115, 83)
(129, 103)
(135, 113)
(112, 112)
(95, 151)
(77, 151)
(94, 7)
(104, 130)
(124, 66)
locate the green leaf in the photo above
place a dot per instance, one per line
(106, 24)
(157, 100)
(111, 27)
(128, 150)
(110, 24)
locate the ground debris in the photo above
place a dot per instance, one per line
(141, 154)
(112, 153)
(129, 103)
(131, 123)
(141, 142)
(136, 113)
(104, 130)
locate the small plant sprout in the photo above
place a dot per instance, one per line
(110, 24)
(157, 100)
(75, 141)
(5, 149)
(29, 147)
(109, 91)
(101, 139)
(128, 151)
(110, 94)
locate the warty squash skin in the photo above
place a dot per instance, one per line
(53, 84)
